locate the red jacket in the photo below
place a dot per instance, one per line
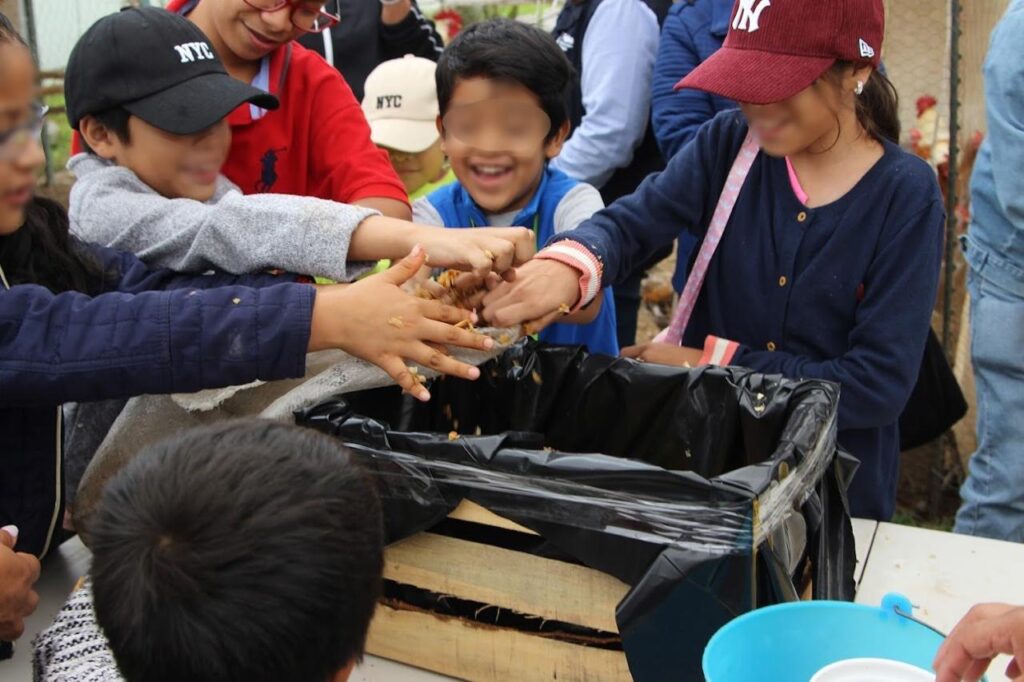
(316, 144)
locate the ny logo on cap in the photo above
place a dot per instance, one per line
(748, 16)
(192, 52)
(866, 50)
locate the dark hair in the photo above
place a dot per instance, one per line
(510, 51)
(246, 551)
(877, 106)
(41, 251)
(115, 120)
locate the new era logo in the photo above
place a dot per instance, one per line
(866, 50)
(194, 52)
(748, 16)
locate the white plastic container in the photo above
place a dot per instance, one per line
(872, 670)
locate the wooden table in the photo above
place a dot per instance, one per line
(941, 573)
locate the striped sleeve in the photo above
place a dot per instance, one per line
(577, 256)
(718, 351)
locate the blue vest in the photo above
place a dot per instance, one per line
(457, 209)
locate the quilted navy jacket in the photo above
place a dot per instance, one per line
(152, 331)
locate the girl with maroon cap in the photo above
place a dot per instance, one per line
(821, 260)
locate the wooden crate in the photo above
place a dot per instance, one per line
(533, 588)
(485, 569)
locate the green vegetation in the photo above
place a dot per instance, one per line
(907, 518)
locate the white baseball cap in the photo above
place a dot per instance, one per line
(400, 104)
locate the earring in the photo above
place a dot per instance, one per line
(859, 90)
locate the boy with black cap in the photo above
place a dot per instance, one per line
(150, 98)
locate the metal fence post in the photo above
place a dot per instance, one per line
(952, 199)
(30, 31)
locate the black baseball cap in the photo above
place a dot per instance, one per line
(158, 66)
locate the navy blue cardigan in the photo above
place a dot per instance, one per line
(843, 292)
(154, 332)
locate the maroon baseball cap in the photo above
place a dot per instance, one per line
(776, 48)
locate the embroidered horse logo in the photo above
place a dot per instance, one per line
(268, 172)
(748, 16)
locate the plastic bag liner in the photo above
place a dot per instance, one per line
(716, 490)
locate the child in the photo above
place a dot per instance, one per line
(401, 106)
(501, 90)
(247, 550)
(317, 143)
(153, 124)
(152, 119)
(828, 267)
(79, 322)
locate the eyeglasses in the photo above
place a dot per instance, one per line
(14, 141)
(498, 125)
(306, 16)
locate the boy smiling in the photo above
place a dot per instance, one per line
(501, 93)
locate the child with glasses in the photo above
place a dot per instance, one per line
(81, 322)
(150, 100)
(501, 93)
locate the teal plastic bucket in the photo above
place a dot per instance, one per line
(791, 642)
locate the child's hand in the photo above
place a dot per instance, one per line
(18, 574)
(376, 320)
(664, 354)
(542, 292)
(479, 250)
(466, 291)
(987, 631)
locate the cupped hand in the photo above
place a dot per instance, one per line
(376, 320)
(479, 250)
(543, 291)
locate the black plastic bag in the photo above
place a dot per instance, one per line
(692, 501)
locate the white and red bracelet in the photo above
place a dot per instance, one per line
(578, 257)
(718, 351)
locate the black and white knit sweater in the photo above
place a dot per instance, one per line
(73, 648)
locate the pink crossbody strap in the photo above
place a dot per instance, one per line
(673, 334)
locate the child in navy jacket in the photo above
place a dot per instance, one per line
(80, 322)
(828, 267)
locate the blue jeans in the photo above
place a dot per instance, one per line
(993, 494)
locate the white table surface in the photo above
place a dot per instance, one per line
(942, 574)
(863, 536)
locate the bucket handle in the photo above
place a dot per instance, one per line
(901, 606)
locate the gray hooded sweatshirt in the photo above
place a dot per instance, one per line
(231, 232)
